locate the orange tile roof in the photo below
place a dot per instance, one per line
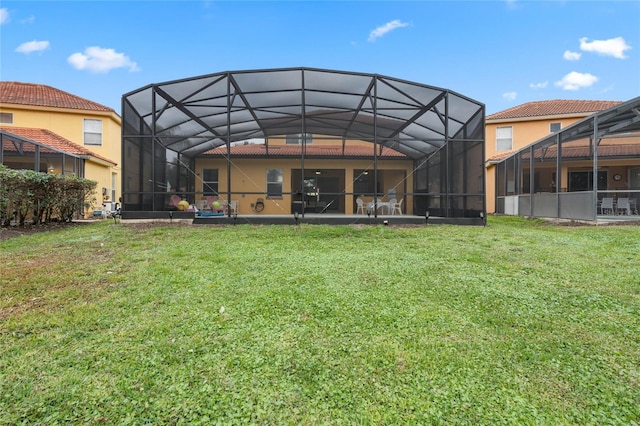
(45, 96)
(630, 150)
(553, 108)
(51, 139)
(260, 150)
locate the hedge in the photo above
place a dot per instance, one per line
(42, 197)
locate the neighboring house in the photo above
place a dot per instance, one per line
(586, 170)
(72, 135)
(514, 128)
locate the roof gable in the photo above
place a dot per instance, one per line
(45, 96)
(553, 108)
(324, 151)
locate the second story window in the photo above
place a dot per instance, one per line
(297, 139)
(92, 132)
(555, 127)
(6, 118)
(504, 138)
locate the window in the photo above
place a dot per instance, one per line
(583, 181)
(504, 138)
(298, 137)
(92, 132)
(555, 127)
(274, 182)
(209, 182)
(6, 118)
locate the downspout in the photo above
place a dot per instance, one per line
(36, 159)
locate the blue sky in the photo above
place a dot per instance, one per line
(501, 53)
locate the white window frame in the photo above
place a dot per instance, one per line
(6, 118)
(502, 138)
(91, 134)
(274, 187)
(551, 127)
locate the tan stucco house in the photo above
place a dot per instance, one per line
(514, 128)
(49, 130)
(565, 159)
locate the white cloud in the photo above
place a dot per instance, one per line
(98, 59)
(4, 15)
(513, 4)
(541, 85)
(510, 95)
(571, 56)
(384, 29)
(576, 80)
(613, 47)
(32, 46)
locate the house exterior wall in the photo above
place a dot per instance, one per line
(69, 123)
(525, 132)
(248, 179)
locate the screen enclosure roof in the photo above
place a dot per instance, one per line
(194, 115)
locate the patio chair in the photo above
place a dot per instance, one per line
(219, 207)
(361, 207)
(202, 205)
(606, 207)
(174, 200)
(397, 207)
(387, 207)
(623, 207)
(233, 207)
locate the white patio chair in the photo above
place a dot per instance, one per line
(202, 205)
(361, 207)
(623, 207)
(233, 207)
(397, 207)
(387, 207)
(606, 207)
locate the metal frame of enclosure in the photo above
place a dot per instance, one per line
(18, 152)
(606, 140)
(168, 126)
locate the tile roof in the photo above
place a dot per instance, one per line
(553, 108)
(51, 139)
(335, 151)
(630, 150)
(45, 96)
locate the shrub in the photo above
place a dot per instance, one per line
(41, 196)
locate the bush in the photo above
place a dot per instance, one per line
(42, 197)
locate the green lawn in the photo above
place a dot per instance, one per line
(520, 322)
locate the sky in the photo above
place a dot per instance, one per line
(500, 53)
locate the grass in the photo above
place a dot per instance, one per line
(520, 322)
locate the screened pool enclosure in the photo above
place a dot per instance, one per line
(264, 137)
(587, 171)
